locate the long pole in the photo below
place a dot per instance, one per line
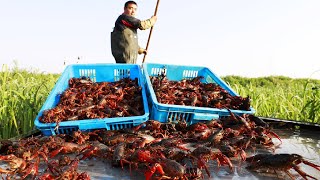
(155, 13)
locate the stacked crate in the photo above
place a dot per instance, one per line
(96, 73)
(169, 112)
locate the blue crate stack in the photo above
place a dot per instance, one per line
(97, 73)
(171, 113)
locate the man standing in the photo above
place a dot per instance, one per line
(124, 38)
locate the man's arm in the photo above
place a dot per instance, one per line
(146, 24)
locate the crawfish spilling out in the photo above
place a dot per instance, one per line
(156, 150)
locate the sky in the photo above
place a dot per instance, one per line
(250, 38)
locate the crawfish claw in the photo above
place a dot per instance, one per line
(153, 169)
(311, 164)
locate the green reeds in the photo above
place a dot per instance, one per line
(22, 95)
(281, 97)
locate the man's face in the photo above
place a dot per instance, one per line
(130, 9)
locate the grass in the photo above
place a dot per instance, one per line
(23, 92)
(281, 97)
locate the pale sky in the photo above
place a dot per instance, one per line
(251, 38)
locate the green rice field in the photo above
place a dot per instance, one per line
(23, 92)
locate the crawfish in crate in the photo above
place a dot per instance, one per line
(84, 99)
(192, 92)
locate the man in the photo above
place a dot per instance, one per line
(124, 38)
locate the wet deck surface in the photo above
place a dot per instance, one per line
(305, 143)
(302, 142)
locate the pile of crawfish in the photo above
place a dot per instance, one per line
(172, 150)
(85, 99)
(192, 92)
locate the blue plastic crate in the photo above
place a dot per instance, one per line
(97, 73)
(168, 112)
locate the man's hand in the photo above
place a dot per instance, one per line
(142, 51)
(154, 19)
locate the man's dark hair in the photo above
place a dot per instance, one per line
(129, 2)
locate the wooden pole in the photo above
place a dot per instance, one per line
(155, 13)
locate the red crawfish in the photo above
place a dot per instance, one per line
(282, 162)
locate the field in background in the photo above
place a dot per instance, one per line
(23, 92)
(281, 97)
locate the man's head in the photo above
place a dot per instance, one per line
(130, 8)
